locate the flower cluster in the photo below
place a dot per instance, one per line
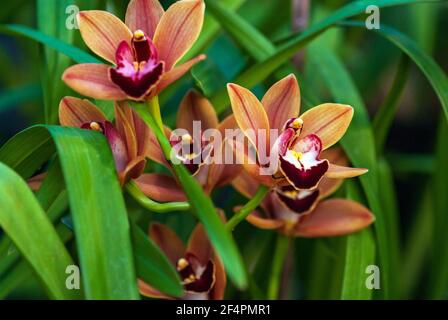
(143, 57)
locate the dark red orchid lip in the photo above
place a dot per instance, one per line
(138, 69)
(195, 276)
(297, 201)
(301, 165)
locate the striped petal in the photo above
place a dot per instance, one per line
(250, 115)
(92, 80)
(195, 107)
(178, 29)
(102, 32)
(329, 121)
(334, 217)
(168, 241)
(74, 112)
(341, 172)
(282, 101)
(177, 72)
(144, 15)
(160, 187)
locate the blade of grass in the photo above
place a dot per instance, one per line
(70, 51)
(360, 253)
(26, 223)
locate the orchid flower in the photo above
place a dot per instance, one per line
(301, 140)
(164, 188)
(305, 213)
(144, 51)
(200, 269)
(129, 138)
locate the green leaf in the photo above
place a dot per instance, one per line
(203, 208)
(263, 69)
(386, 113)
(439, 264)
(360, 253)
(153, 266)
(96, 203)
(70, 51)
(360, 154)
(26, 223)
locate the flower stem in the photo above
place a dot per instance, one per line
(281, 249)
(154, 109)
(248, 207)
(134, 191)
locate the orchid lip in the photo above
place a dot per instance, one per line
(138, 68)
(196, 276)
(299, 202)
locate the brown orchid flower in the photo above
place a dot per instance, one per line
(301, 140)
(200, 269)
(305, 213)
(164, 188)
(144, 51)
(128, 138)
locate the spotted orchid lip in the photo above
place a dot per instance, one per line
(138, 69)
(297, 201)
(196, 277)
(301, 165)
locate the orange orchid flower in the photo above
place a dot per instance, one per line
(128, 138)
(144, 50)
(200, 269)
(305, 213)
(301, 140)
(164, 188)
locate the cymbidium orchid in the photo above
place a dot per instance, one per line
(199, 268)
(144, 51)
(194, 152)
(305, 213)
(129, 138)
(295, 157)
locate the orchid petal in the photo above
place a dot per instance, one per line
(168, 241)
(335, 171)
(195, 107)
(144, 15)
(257, 220)
(154, 151)
(117, 146)
(327, 186)
(133, 170)
(150, 292)
(125, 126)
(199, 244)
(178, 29)
(103, 32)
(299, 202)
(74, 112)
(92, 80)
(177, 72)
(249, 114)
(160, 187)
(334, 217)
(282, 101)
(329, 121)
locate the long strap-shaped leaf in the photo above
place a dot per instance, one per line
(203, 208)
(263, 69)
(96, 203)
(32, 232)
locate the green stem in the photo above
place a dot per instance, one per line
(154, 109)
(248, 208)
(134, 191)
(281, 249)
